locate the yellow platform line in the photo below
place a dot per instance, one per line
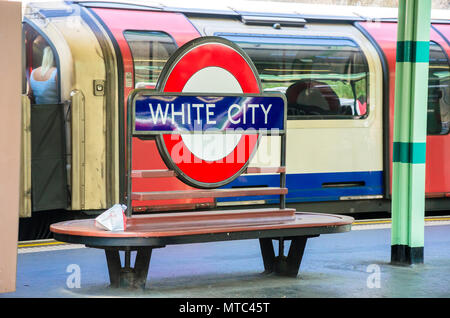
(389, 221)
(40, 244)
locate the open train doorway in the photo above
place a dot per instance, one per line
(45, 120)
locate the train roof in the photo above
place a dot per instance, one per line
(239, 8)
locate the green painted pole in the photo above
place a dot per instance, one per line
(410, 120)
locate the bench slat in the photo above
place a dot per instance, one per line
(206, 193)
(203, 219)
(164, 173)
(266, 169)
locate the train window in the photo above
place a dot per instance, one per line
(150, 52)
(438, 119)
(322, 77)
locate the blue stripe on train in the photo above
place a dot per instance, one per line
(305, 187)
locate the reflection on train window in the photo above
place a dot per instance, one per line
(322, 77)
(150, 52)
(438, 119)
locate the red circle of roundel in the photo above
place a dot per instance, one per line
(209, 55)
(200, 57)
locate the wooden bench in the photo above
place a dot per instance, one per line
(146, 232)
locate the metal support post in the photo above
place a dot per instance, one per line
(410, 119)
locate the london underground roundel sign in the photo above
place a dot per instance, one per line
(207, 112)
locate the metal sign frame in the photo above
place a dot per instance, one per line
(152, 93)
(158, 135)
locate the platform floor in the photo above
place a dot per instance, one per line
(353, 264)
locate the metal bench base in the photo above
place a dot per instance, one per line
(136, 277)
(283, 265)
(145, 233)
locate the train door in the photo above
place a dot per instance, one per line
(438, 119)
(44, 176)
(330, 75)
(144, 40)
(440, 84)
(438, 139)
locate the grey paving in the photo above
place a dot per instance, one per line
(354, 264)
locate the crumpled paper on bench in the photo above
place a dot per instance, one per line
(113, 219)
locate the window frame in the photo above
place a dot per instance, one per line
(287, 36)
(131, 50)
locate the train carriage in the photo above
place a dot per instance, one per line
(336, 66)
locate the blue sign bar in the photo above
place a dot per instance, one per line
(168, 113)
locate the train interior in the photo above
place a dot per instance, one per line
(48, 127)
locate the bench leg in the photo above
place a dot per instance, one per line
(282, 265)
(268, 254)
(127, 277)
(114, 266)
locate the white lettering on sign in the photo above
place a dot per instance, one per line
(208, 106)
(159, 111)
(198, 106)
(230, 118)
(252, 107)
(206, 112)
(180, 113)
(266, 112)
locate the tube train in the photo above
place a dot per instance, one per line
(336, 66)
